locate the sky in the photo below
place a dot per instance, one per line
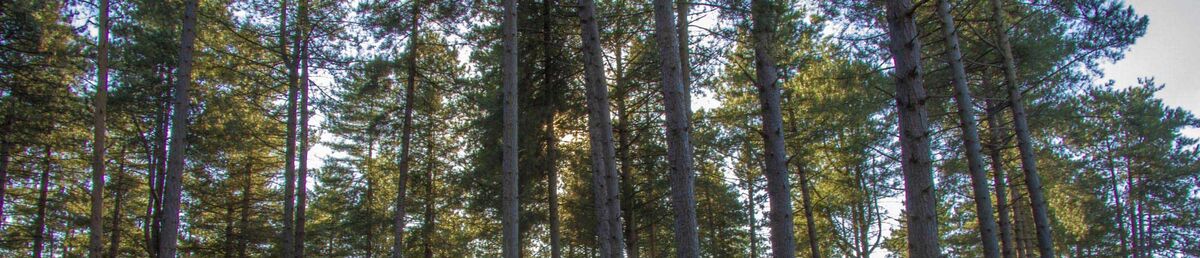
(1167, 53)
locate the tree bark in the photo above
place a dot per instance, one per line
(118, 198)
(289, 172)
(244, 215)
(302, 176)
(551, 79)
(179, 132)
(510, 207)
(430, 199)
(679, 148)
(915, 153)
(6, 145)
(683, 8)
(406, 137)
(970, 131)
(605, 182)
(624, 138)
(1033, 181)
(783, 241)
(39, 236)
(99, 133)
(811, 222)
(998, 178)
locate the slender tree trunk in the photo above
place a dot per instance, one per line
(369, 199)
(39, 235)
(430, 199)
(783, 241)
(179, 132)
(1033, 180)
(118, 198)
(683, 7)
(302, 176)
(914, 131)
(679, 148)
(624, 138)
(99, 133)
(244, 224)
(157, 178)
(398, 220)
(753, 223)
(809, 220)
(510, 207)
(605, 178)
(970, 131)
(1135, 226)
(551, 79)
(289, 172)
(1005, 222)
(6, 146)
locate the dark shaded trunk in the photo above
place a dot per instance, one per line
(288, 236)
(551, 80)
(1033, 181)
(970, 134)
(624, 142)
(39, 222)
(810, 221)
(779, 194)
(919, 198)
(244, 216)
(114, 236)
(99, 134)
(683, 8)
(753, 223)
(174, 181)
(605, 182)
(430, 199)
(302, 176)
(509, 208)
(156, 177)
(398, 218)
(998, 178)
(6, 146)
(679, 149)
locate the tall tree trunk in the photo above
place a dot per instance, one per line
(289, 172)
(369, 198)
(302, 176)
(1033, 181)
(244, 216)
(604, 169)
(753, 223)
(6, 145)
(406, 137)
(809, 220)
(99, 133)
(624, 139)
(1133, 203)
(551, 79)
(679, 148)
(157, 177)
(919, 196)
(510, 207)
(970, 132)
(783, 241)
(430, 199)
(683, 8)
(179, 132)
(998, 178)
(118, 198)
(39, 234)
